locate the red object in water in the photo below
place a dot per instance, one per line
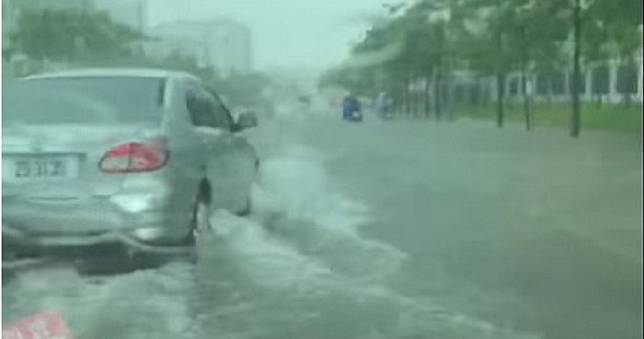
(38, 326)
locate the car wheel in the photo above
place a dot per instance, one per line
(247, 210)
(200, 219)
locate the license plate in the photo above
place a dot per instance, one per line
(19, 168)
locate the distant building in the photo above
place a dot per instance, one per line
(220, 43)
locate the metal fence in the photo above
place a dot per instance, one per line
(608, 82)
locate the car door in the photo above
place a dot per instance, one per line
(242, 158)
(215, 145)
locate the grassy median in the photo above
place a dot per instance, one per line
(610, 117)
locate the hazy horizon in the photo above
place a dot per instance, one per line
(286, 33)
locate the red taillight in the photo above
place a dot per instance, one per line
(134, 157)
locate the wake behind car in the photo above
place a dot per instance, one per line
(132, 157)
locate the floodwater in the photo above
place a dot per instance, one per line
(405, 229)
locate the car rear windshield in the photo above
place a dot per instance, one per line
(101, 100)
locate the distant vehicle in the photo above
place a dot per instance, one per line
(351, 109)
(137, 158)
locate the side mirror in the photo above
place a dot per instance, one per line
(246, 120)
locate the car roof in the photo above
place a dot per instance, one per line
(113, 72)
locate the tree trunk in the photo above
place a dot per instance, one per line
(576, 71)
(500, 99)
(446, 88)
(500, 83)
(526, 99)
(397, 99)
(426, 94)
(524, 81)
(407, 98)
(630, 65)
(438, 102)
(414, 99)
(447, 99)
(396, 104)
(549, 90)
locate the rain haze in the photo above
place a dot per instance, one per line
(322, 169)
(294, 33)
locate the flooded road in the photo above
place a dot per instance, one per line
(403, 230)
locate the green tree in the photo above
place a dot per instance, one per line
(600, 30)
(490, 38)
(68, 35)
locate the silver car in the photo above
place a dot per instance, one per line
(133, 157)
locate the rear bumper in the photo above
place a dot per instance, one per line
(46, 226)
(82, 244)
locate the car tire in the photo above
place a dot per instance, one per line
(200, 223)
(249, 201)
(247, 210)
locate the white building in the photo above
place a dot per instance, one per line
(224, 44)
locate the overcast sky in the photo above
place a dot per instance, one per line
(313, 33)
